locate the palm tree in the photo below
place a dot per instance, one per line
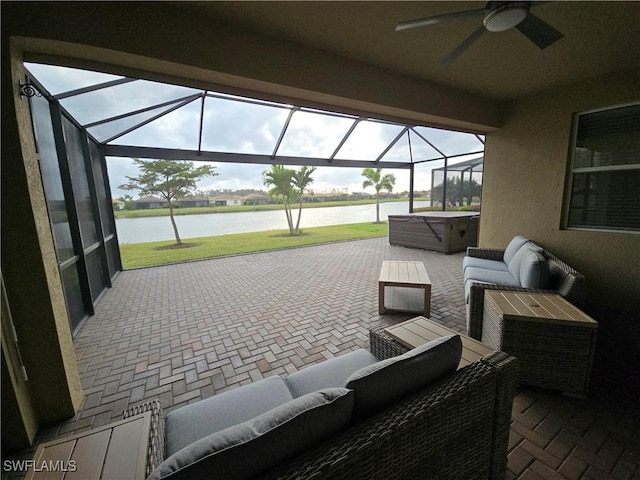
(288, 185)
(375, 179)
(171, 179)
(279, 179)
(301, 180)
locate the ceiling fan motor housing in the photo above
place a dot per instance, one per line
(500, 16)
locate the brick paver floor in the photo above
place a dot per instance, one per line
(185, 332)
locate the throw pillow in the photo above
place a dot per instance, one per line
(516, 260)
(514, 245)
(379, 385)
(534, 270)
(247, 449)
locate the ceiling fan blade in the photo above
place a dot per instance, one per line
(421, 22)
(462, 47)
(539, 31)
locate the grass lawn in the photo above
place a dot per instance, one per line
(158, 253)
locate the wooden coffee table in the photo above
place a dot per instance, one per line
(404, 274)
(420, 330)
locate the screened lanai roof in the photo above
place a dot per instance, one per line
(140, 118)
(472, 165)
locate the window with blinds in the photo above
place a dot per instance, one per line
(604, 178)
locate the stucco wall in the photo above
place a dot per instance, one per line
(29, 269)
(524, 182)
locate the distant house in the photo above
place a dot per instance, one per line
(150, 202)
(255, 199)
(388, 195)
(193, 201)
(325, 197)
(117, 204)
(225, 200)
(360, 196)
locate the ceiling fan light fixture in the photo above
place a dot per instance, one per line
(506, 16)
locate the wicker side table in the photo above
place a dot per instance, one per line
(554, 340)
(397, 339)
(382, 345)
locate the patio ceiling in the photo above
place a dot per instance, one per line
(133, 117)
(599, 37)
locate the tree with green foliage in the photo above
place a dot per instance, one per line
(301, 180)
(375, 179)
(288, 185)
(128, 202)
(458, 193)
(170, 179)
(278, 178)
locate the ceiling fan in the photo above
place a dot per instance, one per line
(496, 17)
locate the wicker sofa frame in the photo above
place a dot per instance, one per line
(565, 281)
(456, 428)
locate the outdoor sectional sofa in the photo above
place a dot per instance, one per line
(522, 266)
(351, 417)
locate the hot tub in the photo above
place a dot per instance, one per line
(447, 232)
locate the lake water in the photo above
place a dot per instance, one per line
(152, 229)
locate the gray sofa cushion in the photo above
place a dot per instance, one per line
(534, 270)
(330, 373)
(516, 261)
(245, 450)
(498, 277)
(388, 381)
(192, 422)
(482, 275)
(514, 245)
(484, 263)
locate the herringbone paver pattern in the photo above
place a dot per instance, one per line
(554, 437)
(184, 332)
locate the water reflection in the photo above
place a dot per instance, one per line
(138, 230)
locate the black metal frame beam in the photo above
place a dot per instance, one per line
(113, 237)
(444, 155)
(194, 155)
(204, 98)
(284, 131)
(139, 111)
(93, 88)
(392, 144)
(155, 117)
(344, 139)
(479, 152)
(95, 208)
(72, 211)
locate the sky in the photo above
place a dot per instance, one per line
(241, 127)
